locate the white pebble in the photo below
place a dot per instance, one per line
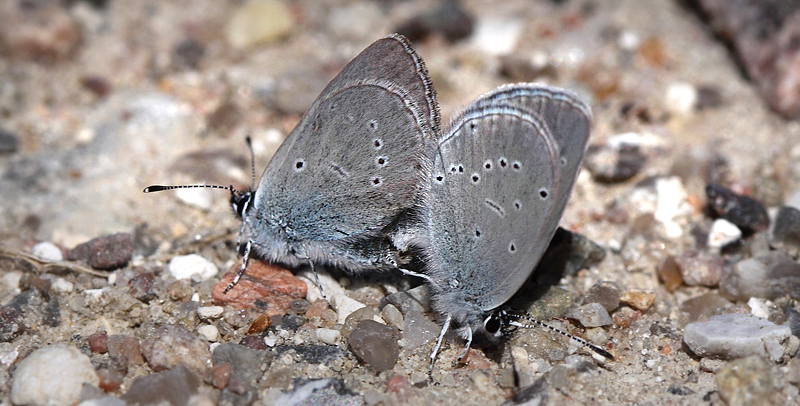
(187, 266)
(328, 336)
(210, 312)
(11, 279)
(681, 98)
(629, 40)
(62, 285)
(331, 286)
(758, 307)
(53, 375)
(47, 250)
(722, 233)
(672, 205)
(497, 36)
(209, 332)
(202, 198)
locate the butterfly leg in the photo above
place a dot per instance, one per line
(467, 334)
(245, 258)
(438, 345)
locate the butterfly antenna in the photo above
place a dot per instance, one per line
(160, 188)
(252, 163)
(519, 319)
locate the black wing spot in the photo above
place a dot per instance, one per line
(512, 248)
(487, 164)
(378, 143)
(460, 168)
(299, 165)
(543, 193)
(563, 161)
(517, 204)
(503, 162)
(373, 125)
(475, 178)
(439, 178)
(477, 232)
(377, 181)
(516, 165)
(380, 161)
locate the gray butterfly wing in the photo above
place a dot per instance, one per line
(356, 159)
(498, 191)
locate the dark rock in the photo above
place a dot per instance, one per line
(611, 165)
(141, 286)
(9, 142)
(312, 354)
(97, 85)
(51, 314)
(375, 344)
(292, 322)
(188, 54)
(606, 293)
(567, 254)
(253, 342)
(519, 69)
(11, 323)
(792, 319)
(450, 20)
(785, 232)
(246, 362)
(745, 212)
(108, 252)
(174, 387)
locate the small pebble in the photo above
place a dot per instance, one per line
(705, 306)
(785, 231)
(110, 379)
(221, 375)
(201, 198)
(125, 347)
(605, 293)
(416, 299)
(254, 343)
(745, 212)
(418, 331)
(748, 381)
(591, 315)
(192, 265)
(328, 336)
(392, 316)
(614, 165)
(9, 142)
(258, 22)
(669, 273)
(768, 277)
(47, 250)
(62, 285)
(188, 54)
(364, 313)
(298, 306)
(736, 335)
(174, 387)
(331, 286)
(180, 290)
(209, 332)
(701, 268)
(107, 252)
(496, 36)
(210, 312)
(758, 307)
(450, 20)
(259, 325)
(141, 287)
(375, 344)
(638, 299)
(52, 375)
(723, 233)
(173, 345)
(681, 98)
(98, 343)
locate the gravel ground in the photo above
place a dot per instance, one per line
(101, 98)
